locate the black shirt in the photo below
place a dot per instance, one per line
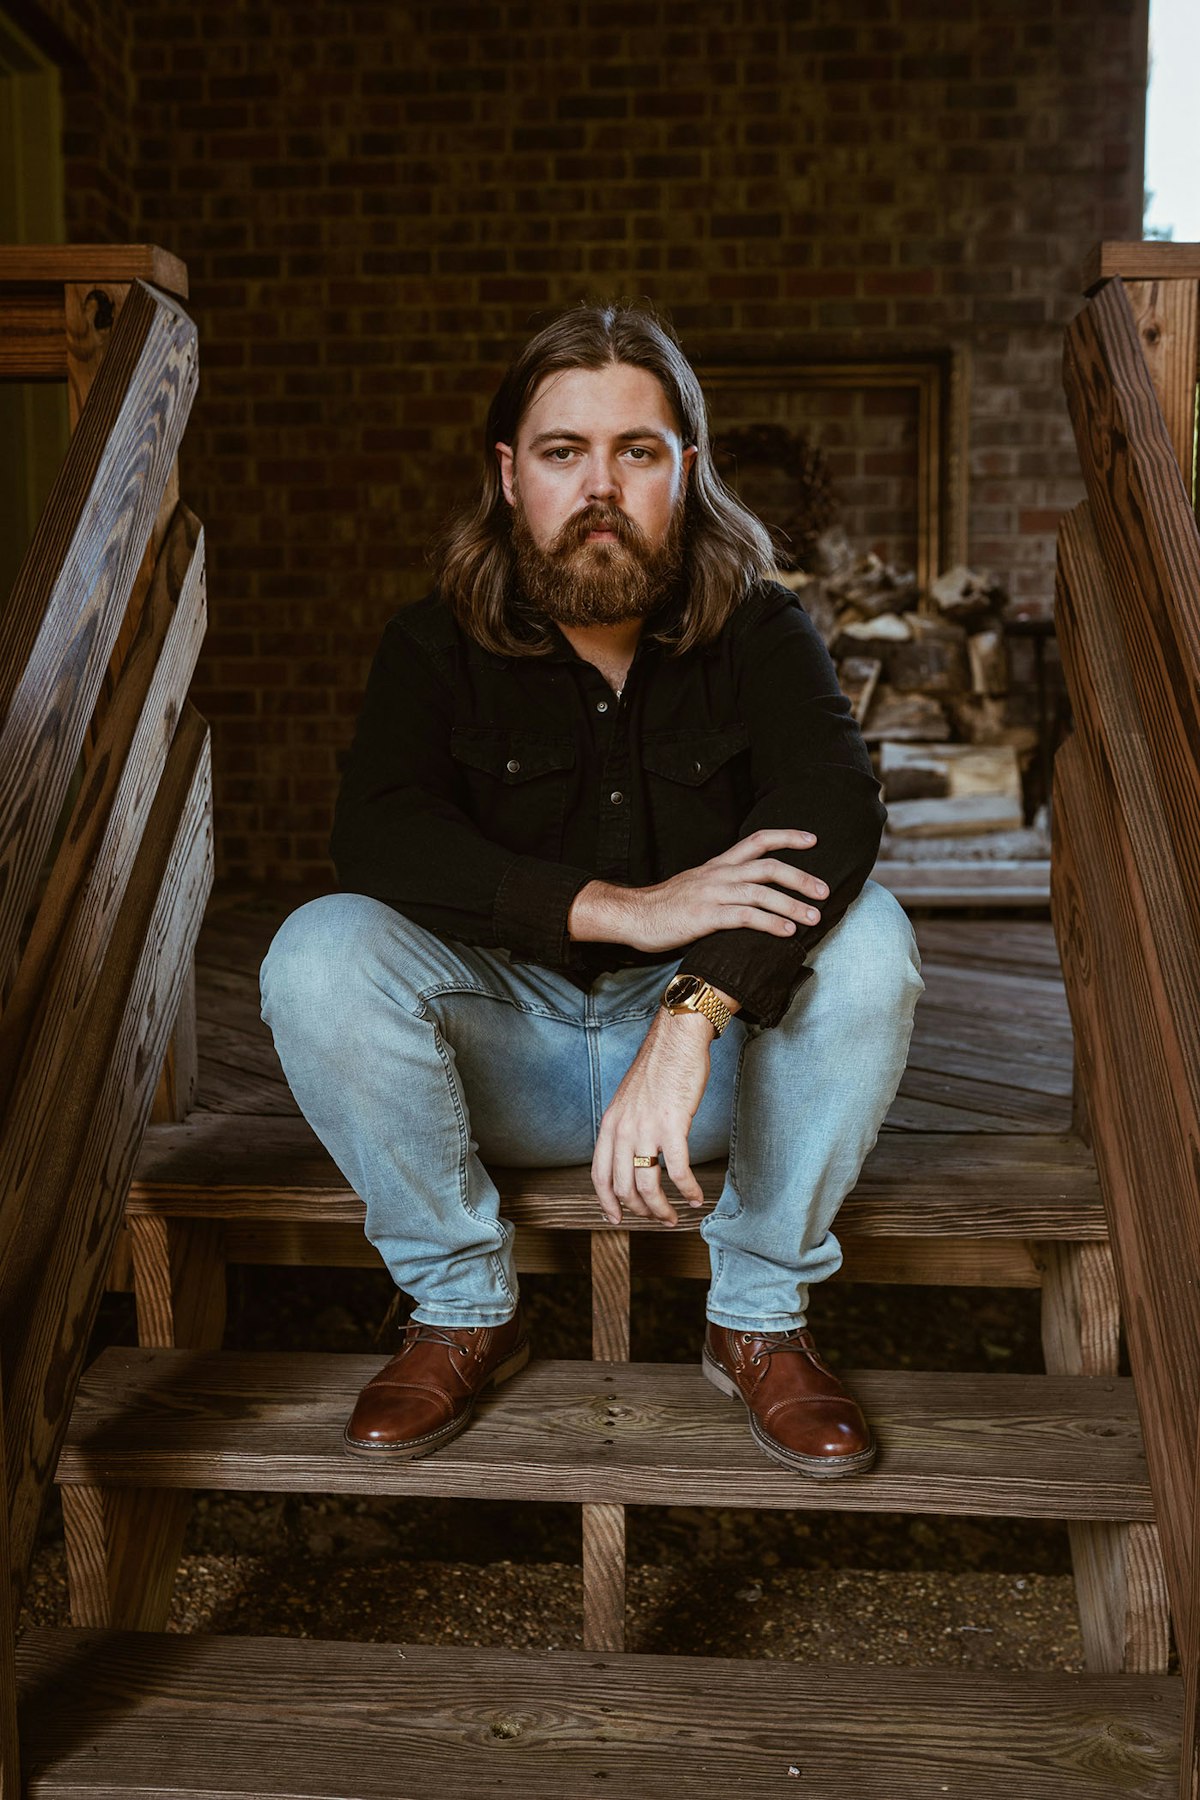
(482, 791)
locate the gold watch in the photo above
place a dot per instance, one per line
(688, 993)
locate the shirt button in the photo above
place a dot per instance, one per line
(616, 796)
(602, 706)
(513, 765)
(695, 768)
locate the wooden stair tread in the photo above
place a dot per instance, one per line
(108, 1714)
(1063, 1447)
(920, 1184)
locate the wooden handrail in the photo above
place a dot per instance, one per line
(101, 637)
(1126, 859)
(73, 588)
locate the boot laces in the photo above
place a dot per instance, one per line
(418, 1333)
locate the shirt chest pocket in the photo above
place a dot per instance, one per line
(699, 788)
(516, 784)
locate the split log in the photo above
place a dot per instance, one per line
(988, 656)
(954, 770)
(969, 814)
(934, 662)
(983, 719)
(963, 594)
(871, 637)
(909, 718)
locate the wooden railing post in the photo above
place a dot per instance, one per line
(1126, 863)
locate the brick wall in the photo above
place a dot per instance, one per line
(89, 41)
(376, 202)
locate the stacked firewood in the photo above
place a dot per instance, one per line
(928, 677)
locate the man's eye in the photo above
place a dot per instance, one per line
(560, 453)
(640, 453)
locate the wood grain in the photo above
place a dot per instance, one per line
(1145, 1148)
(33, 344)
(10, 1747)
(1165, 315)
(1120, 1584)
(1141, 260)
(64, 954)
(72, 1190)
(913, 1184)
(107, 1715)
(70, 595)
(1147, 537)
(1017, 1446)
(1130, 948)
(55, 264)
(603, 1577)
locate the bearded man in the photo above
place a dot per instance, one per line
(603, 842)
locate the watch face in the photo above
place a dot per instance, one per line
(681, 988)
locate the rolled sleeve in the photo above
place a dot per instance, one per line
(812, 773)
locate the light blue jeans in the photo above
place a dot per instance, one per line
(418, 1061)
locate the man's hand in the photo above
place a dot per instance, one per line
(651, 1111)
(729, 890)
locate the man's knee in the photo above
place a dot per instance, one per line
(322, 955)
(870, 957)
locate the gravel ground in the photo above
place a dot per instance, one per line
(865, 1616)
(845, 1588)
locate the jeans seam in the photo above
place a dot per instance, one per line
(495, 1257)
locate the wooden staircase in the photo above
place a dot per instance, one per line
(115, 1706)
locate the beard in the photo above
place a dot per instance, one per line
(575, 582)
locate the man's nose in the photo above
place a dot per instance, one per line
(601, 482)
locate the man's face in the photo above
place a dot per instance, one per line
(596, 480)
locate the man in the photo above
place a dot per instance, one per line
(603, 841)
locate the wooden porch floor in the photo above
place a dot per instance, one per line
(991, 1051)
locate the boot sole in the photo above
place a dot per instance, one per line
(411, 1448)
(817, 1468)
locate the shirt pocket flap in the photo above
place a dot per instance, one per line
(693, 756)
(511, 756)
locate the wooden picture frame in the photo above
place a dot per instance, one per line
(937, 381)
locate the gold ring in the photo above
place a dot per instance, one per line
(644, 1162)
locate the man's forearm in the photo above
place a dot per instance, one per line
(601, 913)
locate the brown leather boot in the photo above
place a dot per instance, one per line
(800, 1414)
(426, 1394)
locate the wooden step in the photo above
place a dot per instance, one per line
(1001, 1445)
(111, 1714)
(914, 1184)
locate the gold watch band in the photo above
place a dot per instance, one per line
(705, 1000)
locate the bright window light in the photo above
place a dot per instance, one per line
(1172, 140)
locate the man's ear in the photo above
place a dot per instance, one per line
(689, 456)
(504, 456)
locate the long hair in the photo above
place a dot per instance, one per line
(726, 549)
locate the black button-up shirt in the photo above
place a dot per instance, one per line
(482, 792)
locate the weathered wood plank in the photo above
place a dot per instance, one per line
(1165, 315)
(912, 1185)
(70, 1193)
(33, 345)
(961, 883)
(156, 1715)
(58, 263)
(1148, 538)
(69, 598)
(1130, 950)
(10, 1747)
(1141, 259)
(92, 868)
(123, 1549)
(1145, 1139)
(937, 1262)
(1120, 1584)
(1019, 1446)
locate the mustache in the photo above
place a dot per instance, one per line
(598, 517)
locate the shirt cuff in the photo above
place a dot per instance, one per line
(763, 995)
(531, 907)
